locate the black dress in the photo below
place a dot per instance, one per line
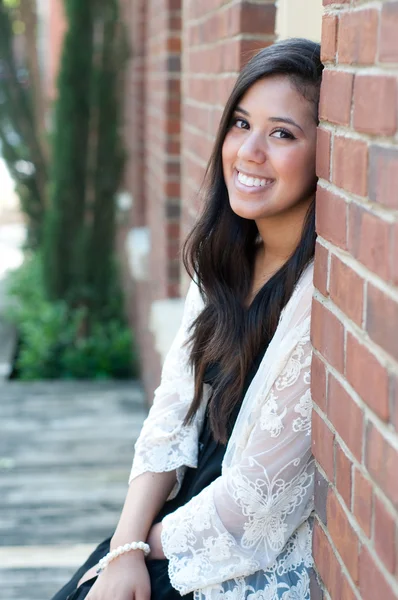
(211, 454)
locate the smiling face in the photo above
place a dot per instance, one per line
(268, 154)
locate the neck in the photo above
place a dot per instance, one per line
(281, 234)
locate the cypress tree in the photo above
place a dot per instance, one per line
(88, 160)
(66, 236)
(108, 155)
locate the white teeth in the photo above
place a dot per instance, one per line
(252, 181)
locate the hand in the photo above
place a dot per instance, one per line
(154, 541)
(125, 578)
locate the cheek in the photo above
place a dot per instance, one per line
(298, 166)
(229, 151)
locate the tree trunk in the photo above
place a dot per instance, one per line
(29, 17)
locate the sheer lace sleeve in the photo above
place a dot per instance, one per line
(242, 521)
(164, 443)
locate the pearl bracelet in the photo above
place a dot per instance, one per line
(104, 562)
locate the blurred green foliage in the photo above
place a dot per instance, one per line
(52, 343)
(67, 301)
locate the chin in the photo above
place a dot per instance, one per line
(245, 211)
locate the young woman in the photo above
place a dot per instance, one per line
(222, 481)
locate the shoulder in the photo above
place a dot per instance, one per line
(297, 312)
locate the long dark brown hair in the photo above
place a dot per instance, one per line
(220, 252)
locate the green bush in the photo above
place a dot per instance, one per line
(53, 343)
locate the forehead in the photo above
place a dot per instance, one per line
(276, 96)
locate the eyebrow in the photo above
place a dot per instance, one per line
(286, 120)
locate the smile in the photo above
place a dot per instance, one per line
(254, 183)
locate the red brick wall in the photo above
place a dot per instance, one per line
(355, 309)
(219, 36)
(153, 167)
(172, 88)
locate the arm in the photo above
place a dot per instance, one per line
(163, 449)
(127, 577)
(165, 444)
(145, 497)
(241, 522)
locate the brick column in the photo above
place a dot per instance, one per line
(152, 132)
(162, 142)
(134, 14)
(355, 309)
(218, 38)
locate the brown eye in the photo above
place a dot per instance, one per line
(240, 123)
(283, 134)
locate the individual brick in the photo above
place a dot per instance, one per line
(346, 416)
(326, 562)
(367, 376)
(357, 38)
(321, 487)
(343, 475)
(323, 153)
(384, 534)
(346, 289)
(329, 38)
(322, 444)
(343, 535)
(327, 334)
(375, 104)
(388, 45)
(318, 382)
(369, 240)
(350, 165)
(321, 268)
(257, 18)
(331, 217)
(382, 462)
(363, 502)
(382, 320)
(383, 175)
(336, 95)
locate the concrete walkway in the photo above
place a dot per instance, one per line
(65, 455)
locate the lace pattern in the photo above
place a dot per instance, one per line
(247, 535)
(287, 579)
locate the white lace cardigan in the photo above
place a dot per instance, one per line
(248, 532)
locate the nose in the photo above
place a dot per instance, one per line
(252, 148)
